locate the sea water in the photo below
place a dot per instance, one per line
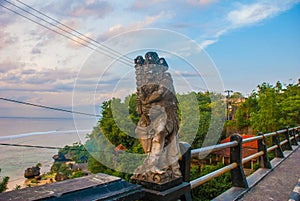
(49, 132)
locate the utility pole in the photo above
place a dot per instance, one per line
(228, 93)
(227, 102)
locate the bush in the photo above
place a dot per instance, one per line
(213, 188)
(77, 174)
(3, 183)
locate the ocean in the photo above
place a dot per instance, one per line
(51, 132)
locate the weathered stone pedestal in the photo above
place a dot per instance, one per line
(158, 186)
(181, 192)
(175, 189)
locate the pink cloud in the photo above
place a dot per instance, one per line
(96, 8)
(117, 29)
(139, 5)
(201, 2)
(76, 8)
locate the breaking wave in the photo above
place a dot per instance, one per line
(54, 132)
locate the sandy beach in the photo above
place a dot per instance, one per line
(12, 184)
(17, 159)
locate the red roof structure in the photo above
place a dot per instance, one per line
(249, 148)
(120, 147)
(252, 144)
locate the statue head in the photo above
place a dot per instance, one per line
(139, 60)
(163, 64)
(151, 58)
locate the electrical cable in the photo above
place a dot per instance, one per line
(47, 107)
(70, 28)
(66, 36)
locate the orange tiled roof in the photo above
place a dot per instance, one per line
(249, 148)
(245, 152)
(120, 147)
(252, 144)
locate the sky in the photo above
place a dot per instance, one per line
(209, 44)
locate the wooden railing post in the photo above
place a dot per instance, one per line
(298, 132)
(237, 174)
(288, 145)
(278, 151)
(294, 141)
(264, 161)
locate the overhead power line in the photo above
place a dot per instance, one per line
(50, 147)
(42, 147)
(29, 146)
(47, 107)
(70, 28)
(82, 40)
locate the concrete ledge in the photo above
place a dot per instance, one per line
(94, 187)
(235, 193)
(295, 195)
(231, 194)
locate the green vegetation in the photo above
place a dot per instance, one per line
(270, 108)
(38, 165)
(77, 152)
(213, 188)
(3, 183)
(17, 187)
(77, 174)
(47, 176)
(62, 168)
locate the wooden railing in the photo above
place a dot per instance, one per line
(285, 139)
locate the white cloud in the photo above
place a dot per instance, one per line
(206, 43)
(247, 15)
(119, 28)
(255, 13)
(54, 61)
(82, 9)
(80, 41)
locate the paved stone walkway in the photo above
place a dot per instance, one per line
(278, 185)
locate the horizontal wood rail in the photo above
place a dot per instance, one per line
(291, 137)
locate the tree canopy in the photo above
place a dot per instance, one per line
(270, 108)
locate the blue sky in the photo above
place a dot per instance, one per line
(248, 41)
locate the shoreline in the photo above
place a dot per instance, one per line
(18, 159)
(12, 184)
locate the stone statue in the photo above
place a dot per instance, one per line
(157, 128)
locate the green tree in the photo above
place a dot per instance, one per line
(119, 120)
(77, 152)
(117, 124)
(290, 105)
(266, 119)
(61, 167)
(242, 115)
